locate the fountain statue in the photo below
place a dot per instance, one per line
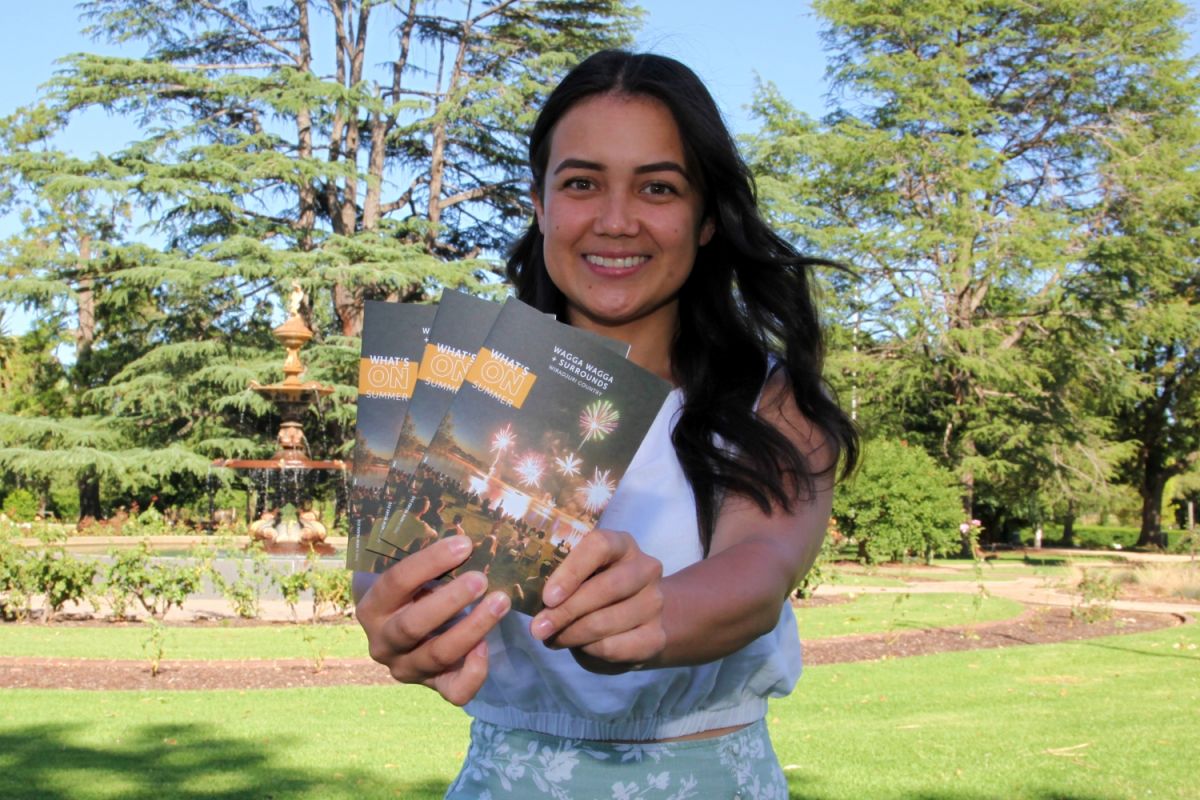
(284, 485)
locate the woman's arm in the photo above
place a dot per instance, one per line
(609, 603)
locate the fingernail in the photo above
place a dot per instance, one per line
(476, 582)
(499, 604)
(553, 595)
(542, 629)
(460, 545)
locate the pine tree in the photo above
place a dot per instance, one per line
(960, 177)
(388, 166)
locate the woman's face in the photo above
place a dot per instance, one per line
(621, 216)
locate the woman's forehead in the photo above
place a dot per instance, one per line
(608, 131)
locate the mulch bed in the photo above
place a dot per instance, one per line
(1037, 625)
(1040, 625)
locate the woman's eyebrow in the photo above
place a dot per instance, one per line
(657, 166)
(661, 166)
(578, 163)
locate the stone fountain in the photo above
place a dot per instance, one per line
(289, 478)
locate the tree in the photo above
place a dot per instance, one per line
(1143, 276)
(901, 504)
(263, 159)
(961, 178)
(384, 173)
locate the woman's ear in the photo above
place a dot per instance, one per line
(537, 206)
(707, 229)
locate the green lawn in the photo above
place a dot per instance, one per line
(1096, 720)
(216, 642)
(878, 613)
(867, 613)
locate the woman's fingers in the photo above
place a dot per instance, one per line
(399, 583)
(417, 629)
(460, 685)
(596, 550)
(622, 652)
(642, 608)
(404, 629)
(446, 650)
(603, 590)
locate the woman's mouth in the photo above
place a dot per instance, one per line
(615, 262)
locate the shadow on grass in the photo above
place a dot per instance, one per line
(1138, 651)
(176, 761)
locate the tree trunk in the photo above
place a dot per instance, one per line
(1068, 534)
(86, 333)
(1151, 490)
(88, 484)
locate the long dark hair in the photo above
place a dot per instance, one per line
(746, 303)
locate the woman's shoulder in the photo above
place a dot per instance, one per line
(778, 407)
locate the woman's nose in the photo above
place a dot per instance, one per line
(617, 217)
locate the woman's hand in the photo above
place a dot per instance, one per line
(404, 621)
(605, 602)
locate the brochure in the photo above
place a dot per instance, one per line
(393, 339)
(529, 452)
(459, 329)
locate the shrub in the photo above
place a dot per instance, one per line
(1097, 590)
(900, 504)
(331, 587)
(21, 505)
(244, 590)
(60, 579)
(158, 585)
(16, 580)
(820, 572)
(292, 585)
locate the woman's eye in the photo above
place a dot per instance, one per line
(577, 183)
(657, 188)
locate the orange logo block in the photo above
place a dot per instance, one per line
(501, 377)
(444, 367)
(390, 378)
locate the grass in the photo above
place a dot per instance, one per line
(879, 613)
(217, 642)
(1105, 719)
(867, 613)
(1096, 720)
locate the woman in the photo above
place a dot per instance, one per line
(667, 627)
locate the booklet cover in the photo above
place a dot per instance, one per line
(458, 331)
(529, 452)
(393, 339)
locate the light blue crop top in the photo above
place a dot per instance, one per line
(532, 687)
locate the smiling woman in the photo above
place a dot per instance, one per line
(668, 625)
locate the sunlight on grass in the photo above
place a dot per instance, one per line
(877, 613)
(343, 640)
(1101, 719)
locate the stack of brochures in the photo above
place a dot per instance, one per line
(495, 421)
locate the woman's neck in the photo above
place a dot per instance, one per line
(649, 339)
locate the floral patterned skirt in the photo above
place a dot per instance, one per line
(509, 763)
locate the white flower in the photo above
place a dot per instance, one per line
(624, 791)
(559, 765)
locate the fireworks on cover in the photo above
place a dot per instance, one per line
(598, 491)
(568, 465)
(501, 442)
(530, 469)
(598, 420)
